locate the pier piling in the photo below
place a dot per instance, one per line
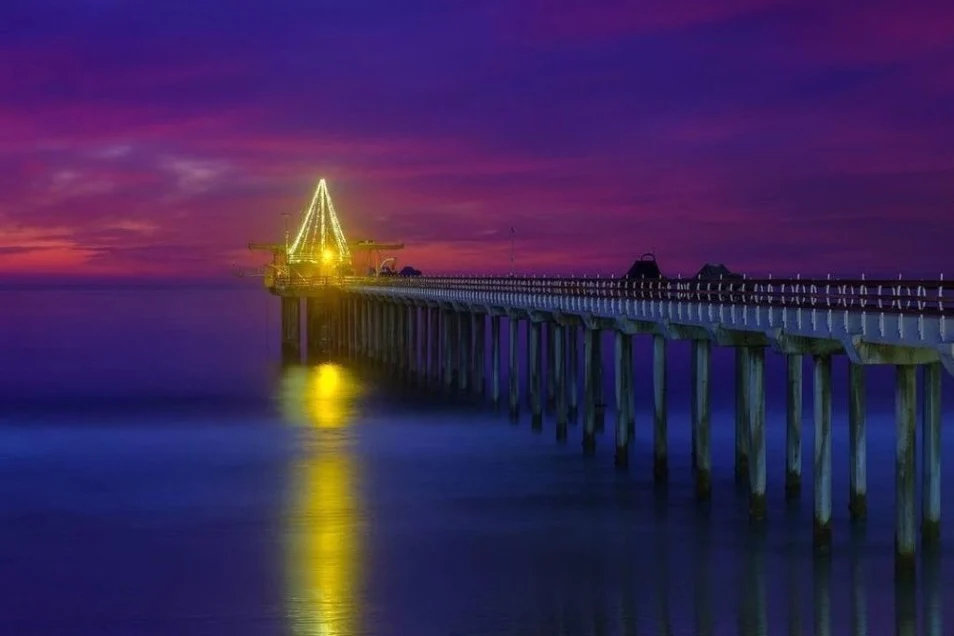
(495, 361)
(701, 424)
(559, 364)
(905, 486)
(931, 455)
(513, 372)
(536, 384)
(623, 355)
(291, 330)
(572, 371)
(756, 360)
(590, 364)
(550, 335)
(660, 423)
(793, 426)
(741, 417)
(822, 407)
(857, 446)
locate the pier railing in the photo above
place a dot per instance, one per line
(927, 297)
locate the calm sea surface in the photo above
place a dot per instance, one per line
(161, 474)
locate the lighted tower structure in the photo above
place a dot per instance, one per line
(319, 245)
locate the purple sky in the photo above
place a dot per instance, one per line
(160, 137)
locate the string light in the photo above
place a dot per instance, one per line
(312, 243)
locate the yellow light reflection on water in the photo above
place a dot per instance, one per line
(320, 397)
(325, 518)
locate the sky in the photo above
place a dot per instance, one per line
(144, 139)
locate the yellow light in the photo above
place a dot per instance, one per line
(325, 521)
(327, 256)
(320, 397)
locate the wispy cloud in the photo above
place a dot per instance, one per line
(194, 176)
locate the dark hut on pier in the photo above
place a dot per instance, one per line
(717, 271)
(645, 267)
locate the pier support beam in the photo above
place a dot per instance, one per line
(390, 336)
(857, 446)
(372, 335)
(590, 364)
(526, 344)
(415, 340)
(291, 330)
(380, 333)
(313, 329)
(419, 342)
(905, 476)
(572, 371)
(623, 358)
(599, 387)
(389, 333)
(513, 373)
(365, 330)
(551, 336)
(701, 424)
(402, 346)
(387, 340)
(822, 407)
(536, 384)
(756, 360)
(384, 334)
(559, 364)
(495, 361)
(931, 455)
(465, 349)
(357, 314)
(379, 317)
(693, 406)
(793, 426)
(660, 423)
(434, 351)
(480, 352)
(741, 416)
(631, 391)
(447, 328)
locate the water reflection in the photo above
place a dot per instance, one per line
(821, 594)
(324, 520)
(932, 594)
(662, 546)
(320, 397)
(859, 598)
(753, 603)
(678, 577)
(648, 602)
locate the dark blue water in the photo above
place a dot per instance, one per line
(160, 474)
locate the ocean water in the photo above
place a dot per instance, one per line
(160, 473)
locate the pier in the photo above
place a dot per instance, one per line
(433, 332)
